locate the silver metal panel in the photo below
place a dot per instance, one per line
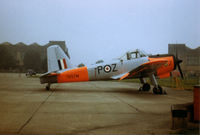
(52, 60)
(106, 70)
(55, 53)
(61, 55)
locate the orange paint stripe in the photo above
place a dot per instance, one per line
(65, 65)
(52, 74)
(166, 75)
(74, 75)
(124, 76)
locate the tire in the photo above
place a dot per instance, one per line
(146, 87)
(47, 88)
(157, 90)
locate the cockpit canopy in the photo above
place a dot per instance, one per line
(133, 55)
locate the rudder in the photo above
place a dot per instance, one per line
(57, 59)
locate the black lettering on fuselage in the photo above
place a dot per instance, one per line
(114, 67)
(99, 68)
(107, 68)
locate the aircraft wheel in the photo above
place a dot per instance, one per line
(146, 87)
(48, 87)
(157, 90)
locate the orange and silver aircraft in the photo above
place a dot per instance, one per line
(135, 64)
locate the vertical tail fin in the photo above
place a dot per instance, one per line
(57, 59)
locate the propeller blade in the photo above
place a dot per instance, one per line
(179, 68)
(177, 63)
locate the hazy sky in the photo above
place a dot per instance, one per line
(102, 29)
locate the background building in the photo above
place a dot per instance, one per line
(190, 57)
(21, 57)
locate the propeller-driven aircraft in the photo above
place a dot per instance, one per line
(135, 64)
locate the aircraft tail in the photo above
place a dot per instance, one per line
(57, 59)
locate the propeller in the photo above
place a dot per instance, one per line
(177, 63)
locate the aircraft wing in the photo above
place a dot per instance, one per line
(144, 70)
(121, 76)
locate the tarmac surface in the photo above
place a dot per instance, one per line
(86, 108)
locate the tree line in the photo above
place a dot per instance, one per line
(21, 58)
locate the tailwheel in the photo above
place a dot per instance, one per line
(158, 90)
(48, 86)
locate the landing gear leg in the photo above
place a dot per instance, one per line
(48, 86)
(145, 85)
(157, 88)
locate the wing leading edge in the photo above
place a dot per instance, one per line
(143, 70)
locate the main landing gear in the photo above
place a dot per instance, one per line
(157, 88)
(48, 86)
(146, 87)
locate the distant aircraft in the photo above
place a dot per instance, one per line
(135, 64)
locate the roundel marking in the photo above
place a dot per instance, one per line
(107, 68)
